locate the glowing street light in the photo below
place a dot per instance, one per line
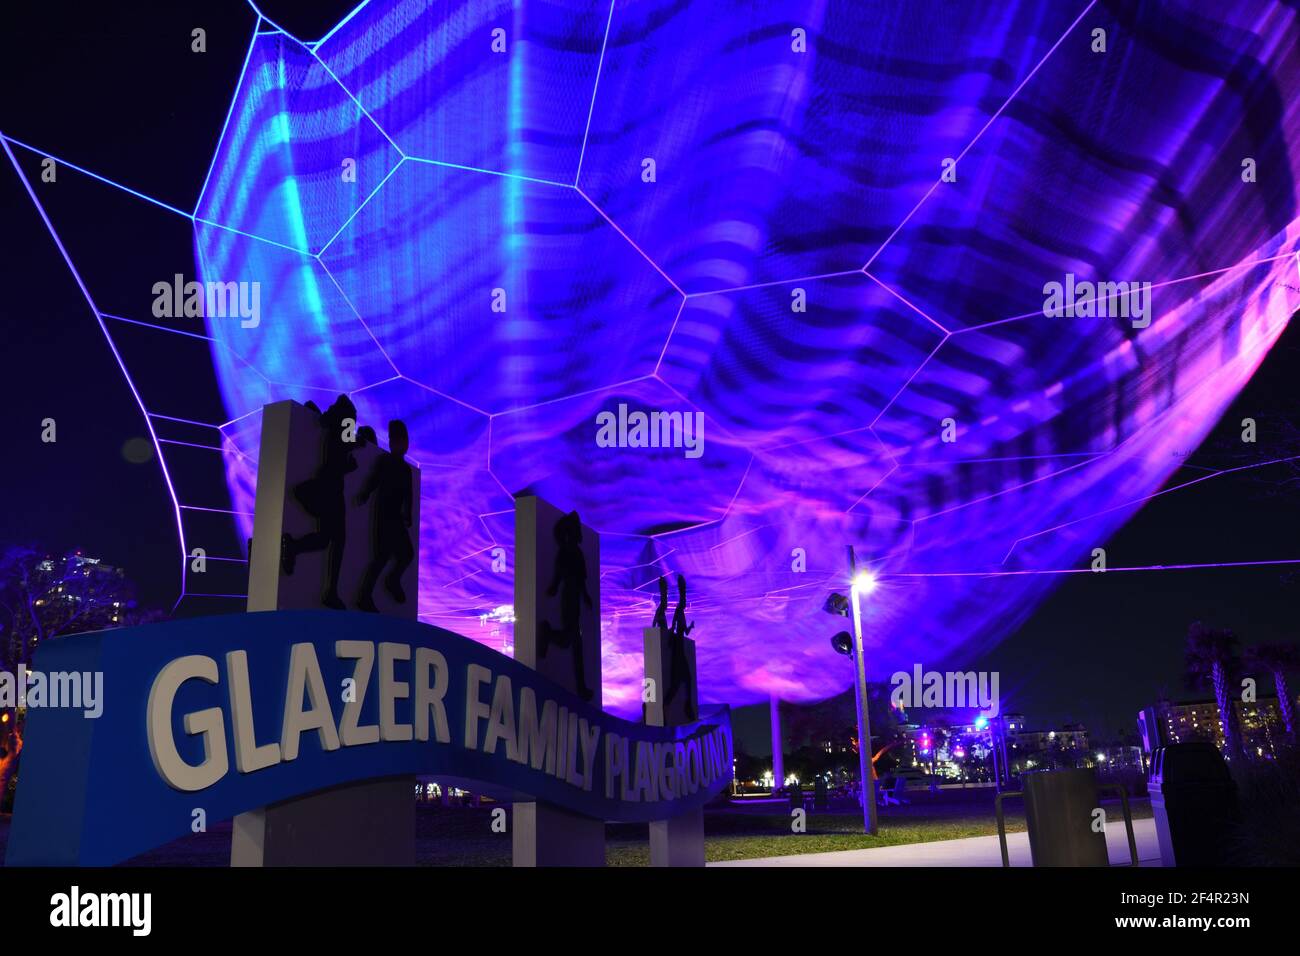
(864, 583)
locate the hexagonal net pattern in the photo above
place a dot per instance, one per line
(825, 231)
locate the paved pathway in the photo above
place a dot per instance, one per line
(972, 851)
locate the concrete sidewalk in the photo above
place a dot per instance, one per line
(973, 851)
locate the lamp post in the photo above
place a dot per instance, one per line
(993, 749)
(1006, 762)
(778, 750)
(862, 583)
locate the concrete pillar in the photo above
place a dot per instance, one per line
(679, 840)
(369, 822)
(778, 753)
(544, 834)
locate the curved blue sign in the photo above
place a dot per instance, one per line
(135, 729)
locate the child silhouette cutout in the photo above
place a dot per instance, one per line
(390, 521)
(677, 641)
(661, 611)
(570, 580)
(321, 496)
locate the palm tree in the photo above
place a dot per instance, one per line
(1211, 655)
(1276, 659)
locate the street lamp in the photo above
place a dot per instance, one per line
(864, 583)
(861, 583)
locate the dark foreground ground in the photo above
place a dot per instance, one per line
(462, 836)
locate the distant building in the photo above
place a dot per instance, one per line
(1042, 749)
(76, 586)
(1015, 723)
(1120, 757)
(1069, 737)
(906, 753)
(1260, 723)
(966, 749)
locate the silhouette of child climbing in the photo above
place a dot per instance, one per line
(390, 484)
(678, 667)
(570, 580)
(661, 612)
(322, 497)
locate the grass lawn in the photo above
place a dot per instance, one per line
(462, 836)
(744, 835)
(746, 832)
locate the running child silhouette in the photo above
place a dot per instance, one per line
(390, 522)
(677, 640)
(570, 580)
(661, 611)
(321, 496)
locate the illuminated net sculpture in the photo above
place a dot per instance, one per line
(826, 228)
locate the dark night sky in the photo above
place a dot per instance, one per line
(120, 91)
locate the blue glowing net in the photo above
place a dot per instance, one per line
(738, 209)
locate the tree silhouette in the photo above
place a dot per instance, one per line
(1211, 655)
(44, 596)
(1277, 658)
